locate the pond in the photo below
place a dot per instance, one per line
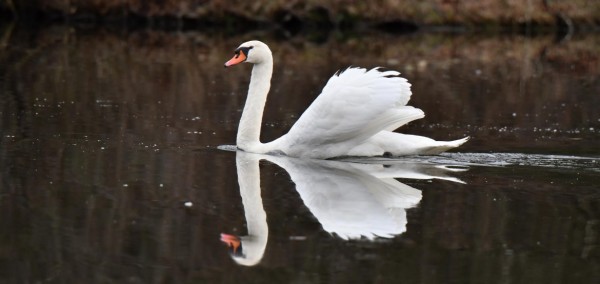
(112, 169)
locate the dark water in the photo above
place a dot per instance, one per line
(111, 172)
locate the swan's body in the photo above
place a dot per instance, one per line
(353, 116)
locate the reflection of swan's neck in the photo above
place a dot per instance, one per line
(253, 245)
(248, 136)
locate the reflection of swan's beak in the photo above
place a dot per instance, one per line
(233, 242)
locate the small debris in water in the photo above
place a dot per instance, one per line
(297, 238)
(125, 185)
(188, 204)
(161, 185)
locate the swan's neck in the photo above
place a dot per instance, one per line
(248, 136)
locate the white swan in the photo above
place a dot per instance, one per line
(353, 116)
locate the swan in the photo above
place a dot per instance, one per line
(354, 115)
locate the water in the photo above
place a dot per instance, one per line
(111, 170)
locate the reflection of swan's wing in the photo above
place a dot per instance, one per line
(354, 105)
(410, 170)
(348, 202)
(396, 194)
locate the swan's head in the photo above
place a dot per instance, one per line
(252, 51)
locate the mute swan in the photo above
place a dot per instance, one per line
(353, 116)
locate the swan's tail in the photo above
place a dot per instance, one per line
(443, 146)
(398, 144)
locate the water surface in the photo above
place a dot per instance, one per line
(111, 172)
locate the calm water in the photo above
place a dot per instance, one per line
(111, 171)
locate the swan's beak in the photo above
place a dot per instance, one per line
(232, 242)
(238, 58)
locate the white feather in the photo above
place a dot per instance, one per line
(354, 106)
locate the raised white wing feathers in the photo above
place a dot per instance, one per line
(355, 104)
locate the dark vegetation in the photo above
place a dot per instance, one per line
(310, 17)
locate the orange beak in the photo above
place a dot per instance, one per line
(232, 241)
(238, 58)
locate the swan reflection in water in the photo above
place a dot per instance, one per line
(350, 200)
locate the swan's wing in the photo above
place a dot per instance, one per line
(354, 105)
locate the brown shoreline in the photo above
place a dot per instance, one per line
(387, 15)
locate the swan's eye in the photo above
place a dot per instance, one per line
(238, 51)
(244, 50)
